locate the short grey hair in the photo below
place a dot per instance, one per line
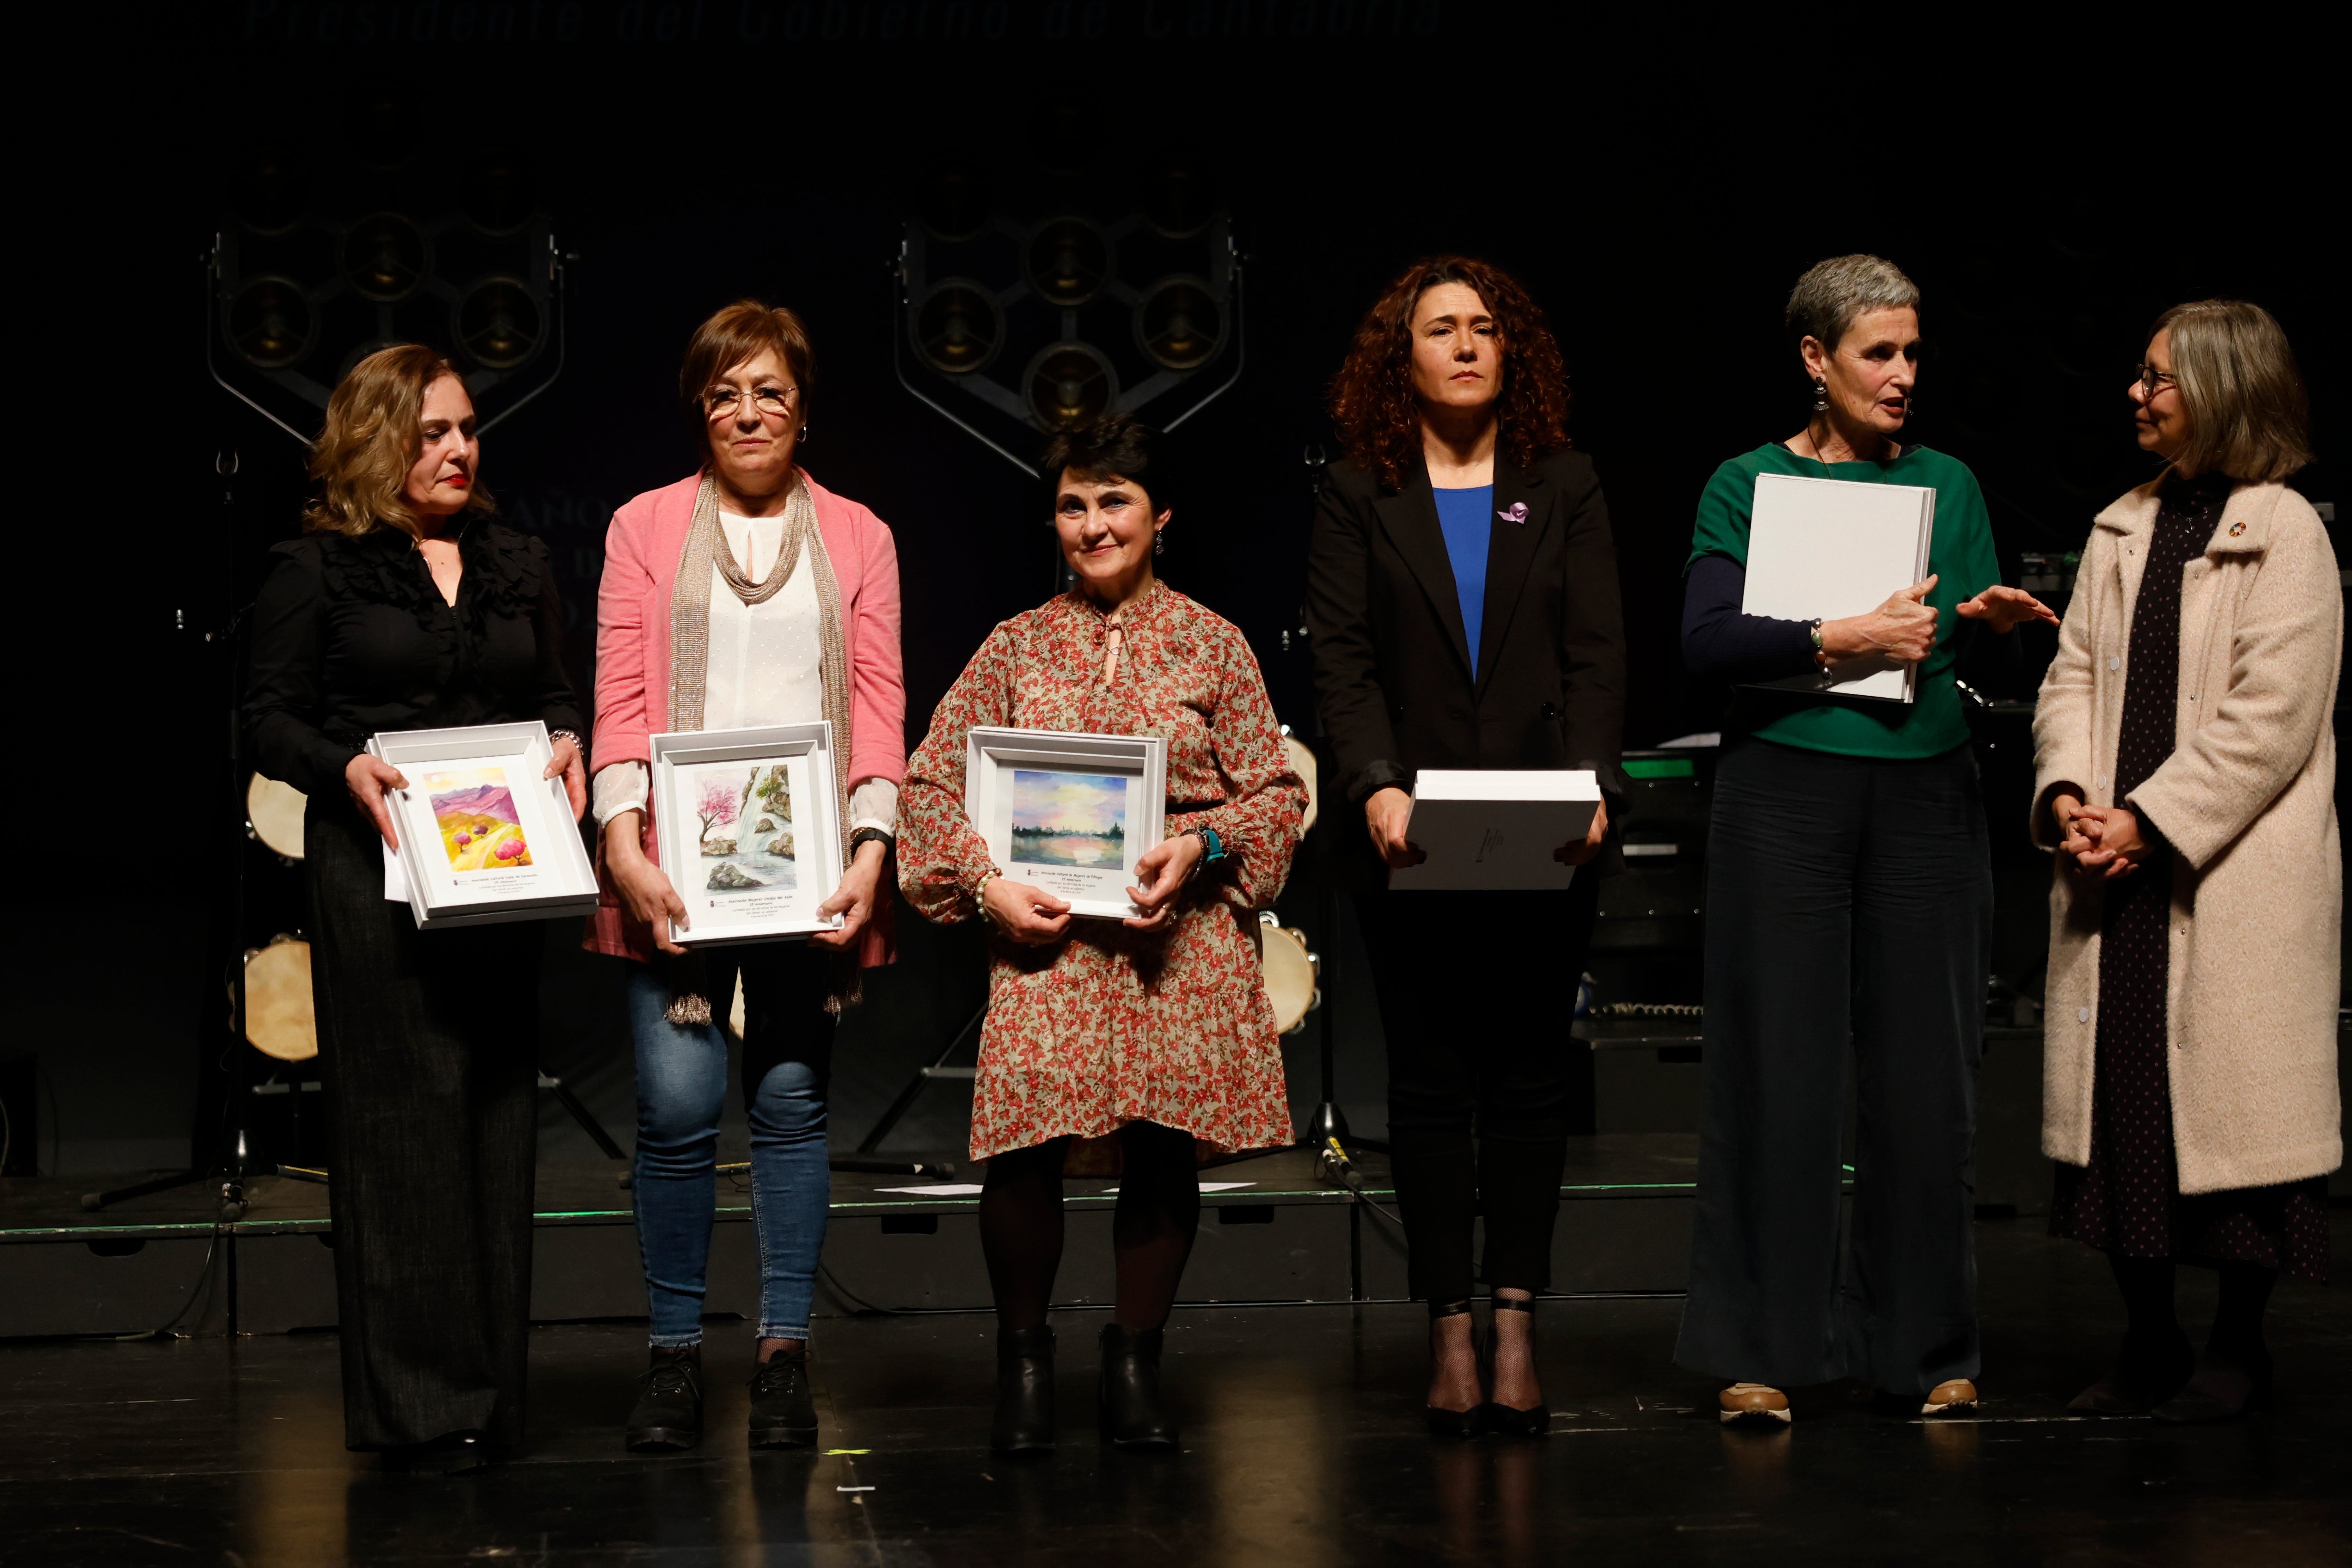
(1827, 299)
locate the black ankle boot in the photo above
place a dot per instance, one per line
(2148, 1373)
(668, 1416)
(2228, 1383)
(784, 1411)
(1025, 1391)
(1127, 1398)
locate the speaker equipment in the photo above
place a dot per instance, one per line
(1065, 280)
(320, 262)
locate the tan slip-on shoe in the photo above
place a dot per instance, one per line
(1754, 1402)
(1953, 1395)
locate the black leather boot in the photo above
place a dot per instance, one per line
(1024, 1392)
(1127, 1399)
(784, 1411)
(668, 1416)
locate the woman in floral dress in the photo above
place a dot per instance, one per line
(1143, 1043)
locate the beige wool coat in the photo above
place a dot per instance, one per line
(2247, 800)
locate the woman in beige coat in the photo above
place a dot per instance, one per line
(2185, 779)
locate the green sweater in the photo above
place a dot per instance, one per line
(1961, 556)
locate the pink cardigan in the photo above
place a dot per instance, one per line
(632, 638)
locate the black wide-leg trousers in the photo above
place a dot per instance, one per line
(1849, 918)
(429, 1052)
(1478, 991)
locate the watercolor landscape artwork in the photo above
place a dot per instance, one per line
(745, 815)
(479, 825)
(1069, 818)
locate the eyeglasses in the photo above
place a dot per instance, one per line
(722, 401)
(2152, 381)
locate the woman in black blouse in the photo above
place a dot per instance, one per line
(405, 607)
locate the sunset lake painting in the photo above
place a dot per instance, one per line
(1069, 819)
(479, 825)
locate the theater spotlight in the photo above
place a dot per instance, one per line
(385, 258)
(1070, 383)
(271, 324)
(957, 326)
(498, 323)
(304, 287)
(1068, 259)
(1178, 325)
(1060, 282)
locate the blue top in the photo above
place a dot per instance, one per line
(1467, 518)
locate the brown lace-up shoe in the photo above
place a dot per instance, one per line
(1754, 1402)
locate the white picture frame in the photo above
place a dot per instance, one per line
(484, 836)
(1106, 794)
(1493, 829)
(746, 827)
(1827, 549)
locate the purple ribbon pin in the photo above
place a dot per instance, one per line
(1518, 512)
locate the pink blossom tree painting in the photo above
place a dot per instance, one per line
(719, 805)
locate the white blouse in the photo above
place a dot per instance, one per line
(766, 666)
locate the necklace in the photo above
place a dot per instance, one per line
(799, 515)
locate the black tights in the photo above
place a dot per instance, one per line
(2147, 1286)
(1152, 1230)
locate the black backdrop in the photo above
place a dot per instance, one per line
(1657, 191)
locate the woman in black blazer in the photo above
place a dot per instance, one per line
(1462, 594)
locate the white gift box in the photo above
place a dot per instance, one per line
(748, 831)
(1069, 814)
(484, 837)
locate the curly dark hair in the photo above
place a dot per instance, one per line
(1371, 398)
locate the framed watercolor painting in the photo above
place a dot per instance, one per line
(483, 837)
(1068, 813)
(745, 821)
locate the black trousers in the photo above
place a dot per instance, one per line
(1849, 919)
(1476, 994)
(428, 1047)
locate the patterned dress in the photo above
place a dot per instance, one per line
(1112, 1025)
(2127, 1200)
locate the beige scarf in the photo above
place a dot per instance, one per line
(689, 663)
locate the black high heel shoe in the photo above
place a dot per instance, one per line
(1444, 1423)
(1501, 1419)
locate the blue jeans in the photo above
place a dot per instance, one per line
(681, 1086)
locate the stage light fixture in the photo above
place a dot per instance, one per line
(1179, 197)
(1068, 259)
(955, 204)
(270, 194)
(1070, 383)
(498, 323)
(271, 324)
(502, 195)
(385, 258)
(957, 326)
(1178, 324)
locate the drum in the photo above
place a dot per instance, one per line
(273, 813)
(279, 1019)
(1291, 972)
(1302, 761)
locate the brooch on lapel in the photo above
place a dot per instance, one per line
(1518, 512)
(2236, 529)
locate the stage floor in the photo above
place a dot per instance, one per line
(1302, 1446)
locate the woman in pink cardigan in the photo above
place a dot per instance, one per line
(794, 618)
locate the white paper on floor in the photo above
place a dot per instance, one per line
(952, 1190)
(1209, 1186)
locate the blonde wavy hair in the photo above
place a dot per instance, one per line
(2249, 416)
(361, 459)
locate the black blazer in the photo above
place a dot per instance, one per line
(1392, 681)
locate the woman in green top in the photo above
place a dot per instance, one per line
(1849, 896)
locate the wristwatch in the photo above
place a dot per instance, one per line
(875, 836)
(1212, 848)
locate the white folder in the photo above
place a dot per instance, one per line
(1494, 828)
(1835, 548)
